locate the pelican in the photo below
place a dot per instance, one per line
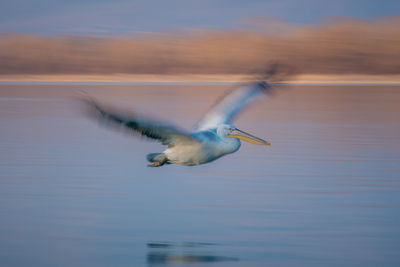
(213, 137)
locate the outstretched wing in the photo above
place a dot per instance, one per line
(225, 110)
(230, 105)
(166, 134)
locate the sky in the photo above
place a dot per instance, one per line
(98, 17)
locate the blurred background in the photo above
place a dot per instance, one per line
(326, 193)
(198, 37)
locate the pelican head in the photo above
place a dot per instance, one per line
(227, 130)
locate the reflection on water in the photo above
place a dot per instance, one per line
(326, 193)
(166, 253)
(171, 258)
(174, 245)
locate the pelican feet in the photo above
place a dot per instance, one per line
(155, 164)
(157, 159)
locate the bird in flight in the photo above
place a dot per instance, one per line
(213, 137)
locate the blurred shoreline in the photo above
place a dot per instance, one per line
(342, 51)
(200, 78)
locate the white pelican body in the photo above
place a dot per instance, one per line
(213, 137)
(212, 145)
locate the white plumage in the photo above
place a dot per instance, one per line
(213, 136)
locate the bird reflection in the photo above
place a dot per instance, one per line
(185, 244)
(164, 253)
(170, 258)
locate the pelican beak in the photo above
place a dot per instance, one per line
(247, 137)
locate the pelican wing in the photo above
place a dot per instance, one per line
(225, 110)
(166, 134)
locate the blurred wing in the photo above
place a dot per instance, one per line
(230, 105)
(166, 134)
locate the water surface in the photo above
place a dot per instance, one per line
(326, 193)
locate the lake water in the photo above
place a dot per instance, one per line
(326, 193)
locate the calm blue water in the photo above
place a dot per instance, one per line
(326, 193)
